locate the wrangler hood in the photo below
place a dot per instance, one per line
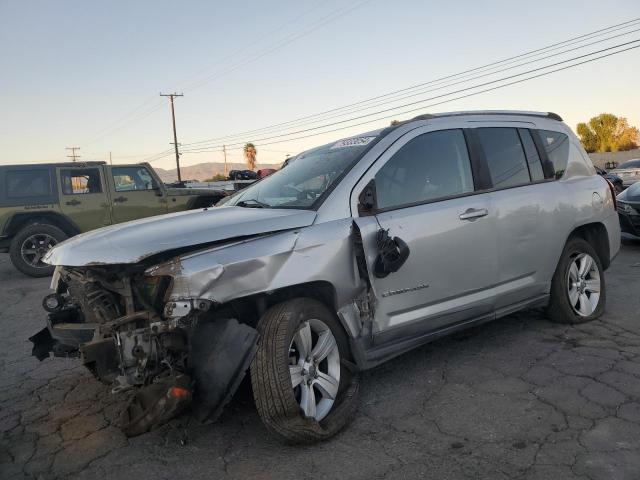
(132, 242)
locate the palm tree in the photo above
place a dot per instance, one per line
(250, 154)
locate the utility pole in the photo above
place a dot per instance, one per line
(110, 161)
(74, 156)
(224, 150)
(175, 135)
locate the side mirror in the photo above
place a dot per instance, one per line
(367, 199)
(392, 253)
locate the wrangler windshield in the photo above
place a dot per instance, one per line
(306, 177)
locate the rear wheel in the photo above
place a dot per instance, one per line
(302, 388)
(31, 244)
(578, 291)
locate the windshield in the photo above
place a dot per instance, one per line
(630, 164)
(306, 176)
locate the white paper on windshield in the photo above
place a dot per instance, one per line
(352, 142)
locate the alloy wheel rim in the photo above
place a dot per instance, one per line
(583, 284)
(35, 247)
(314, 367)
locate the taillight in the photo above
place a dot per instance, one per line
(612, 189)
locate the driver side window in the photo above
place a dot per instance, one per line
(128, 179)
(429, 167)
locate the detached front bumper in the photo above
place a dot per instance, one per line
(62, 336)
(218, 353)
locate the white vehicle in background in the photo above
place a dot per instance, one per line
(628, 171)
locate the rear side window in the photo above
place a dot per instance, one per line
(80, 181)
(429, 167)
(505, 156)
(28, 183)
(533, 159)
(557, 146)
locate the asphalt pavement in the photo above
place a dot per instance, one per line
(519, 398)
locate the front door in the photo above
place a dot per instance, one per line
(135, 193)
(425, 196)
(83, 197)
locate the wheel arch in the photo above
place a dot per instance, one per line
(596, 234)
(251, 308)
(21, 220)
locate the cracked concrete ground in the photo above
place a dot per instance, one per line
(517, 398)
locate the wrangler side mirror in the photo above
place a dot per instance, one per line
(367, 199)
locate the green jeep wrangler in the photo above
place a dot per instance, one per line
(41, 205)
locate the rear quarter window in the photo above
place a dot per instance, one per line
(27, 183)
(557, 146)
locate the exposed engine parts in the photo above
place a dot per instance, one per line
(119, 327)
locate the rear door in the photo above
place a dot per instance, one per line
(524, 206)
(135, 193)
(426, 196)
(83, 196)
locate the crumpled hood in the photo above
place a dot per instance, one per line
(131, 242)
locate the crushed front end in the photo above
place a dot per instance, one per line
(120, 322)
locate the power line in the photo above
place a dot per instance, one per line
(335, 14)
(386, 117)
(537, 51)
(123, 121)
(203, 145)
(427, 99)
(414, 94)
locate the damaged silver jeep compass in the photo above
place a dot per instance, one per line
(353, 253)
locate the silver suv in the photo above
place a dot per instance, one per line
(353, 253)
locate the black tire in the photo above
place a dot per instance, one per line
(271, 381)
(560, 309)
(15, 250)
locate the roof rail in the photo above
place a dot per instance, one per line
(56, 164)
(551, 115)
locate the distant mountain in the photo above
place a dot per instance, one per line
(203, 171)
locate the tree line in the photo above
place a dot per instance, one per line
(608, 133)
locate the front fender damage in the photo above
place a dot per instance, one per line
(180, 330)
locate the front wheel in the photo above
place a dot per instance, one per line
(302, 387)
(578, 291)
(30, 245)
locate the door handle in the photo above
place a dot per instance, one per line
(473, 213)
(73, 202)
(120, 199)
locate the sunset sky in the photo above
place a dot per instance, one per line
(88, 74)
